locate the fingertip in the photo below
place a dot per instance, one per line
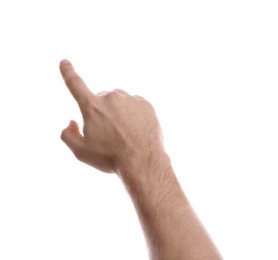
(74, 126)
(71, 134)
(65, 65)
(64, 62)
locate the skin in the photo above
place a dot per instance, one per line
(122, 135)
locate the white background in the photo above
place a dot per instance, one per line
(210, 70)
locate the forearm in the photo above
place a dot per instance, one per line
(171, 227)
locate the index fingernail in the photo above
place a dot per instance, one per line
(64, 62)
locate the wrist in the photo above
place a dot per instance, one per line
(151, 181)
(145, 166)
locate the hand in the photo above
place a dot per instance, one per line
(119, 130)
(122, 134)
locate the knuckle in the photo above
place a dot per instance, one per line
(112, 95)
(147, 104)
(63, 135)
(73, 80)
(118, 90)
(101, 93)
(139, 97)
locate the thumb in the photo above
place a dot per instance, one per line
(72, 138)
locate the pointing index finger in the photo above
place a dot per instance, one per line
(75, 84)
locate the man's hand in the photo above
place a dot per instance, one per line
(122, 134)
(119, 131)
